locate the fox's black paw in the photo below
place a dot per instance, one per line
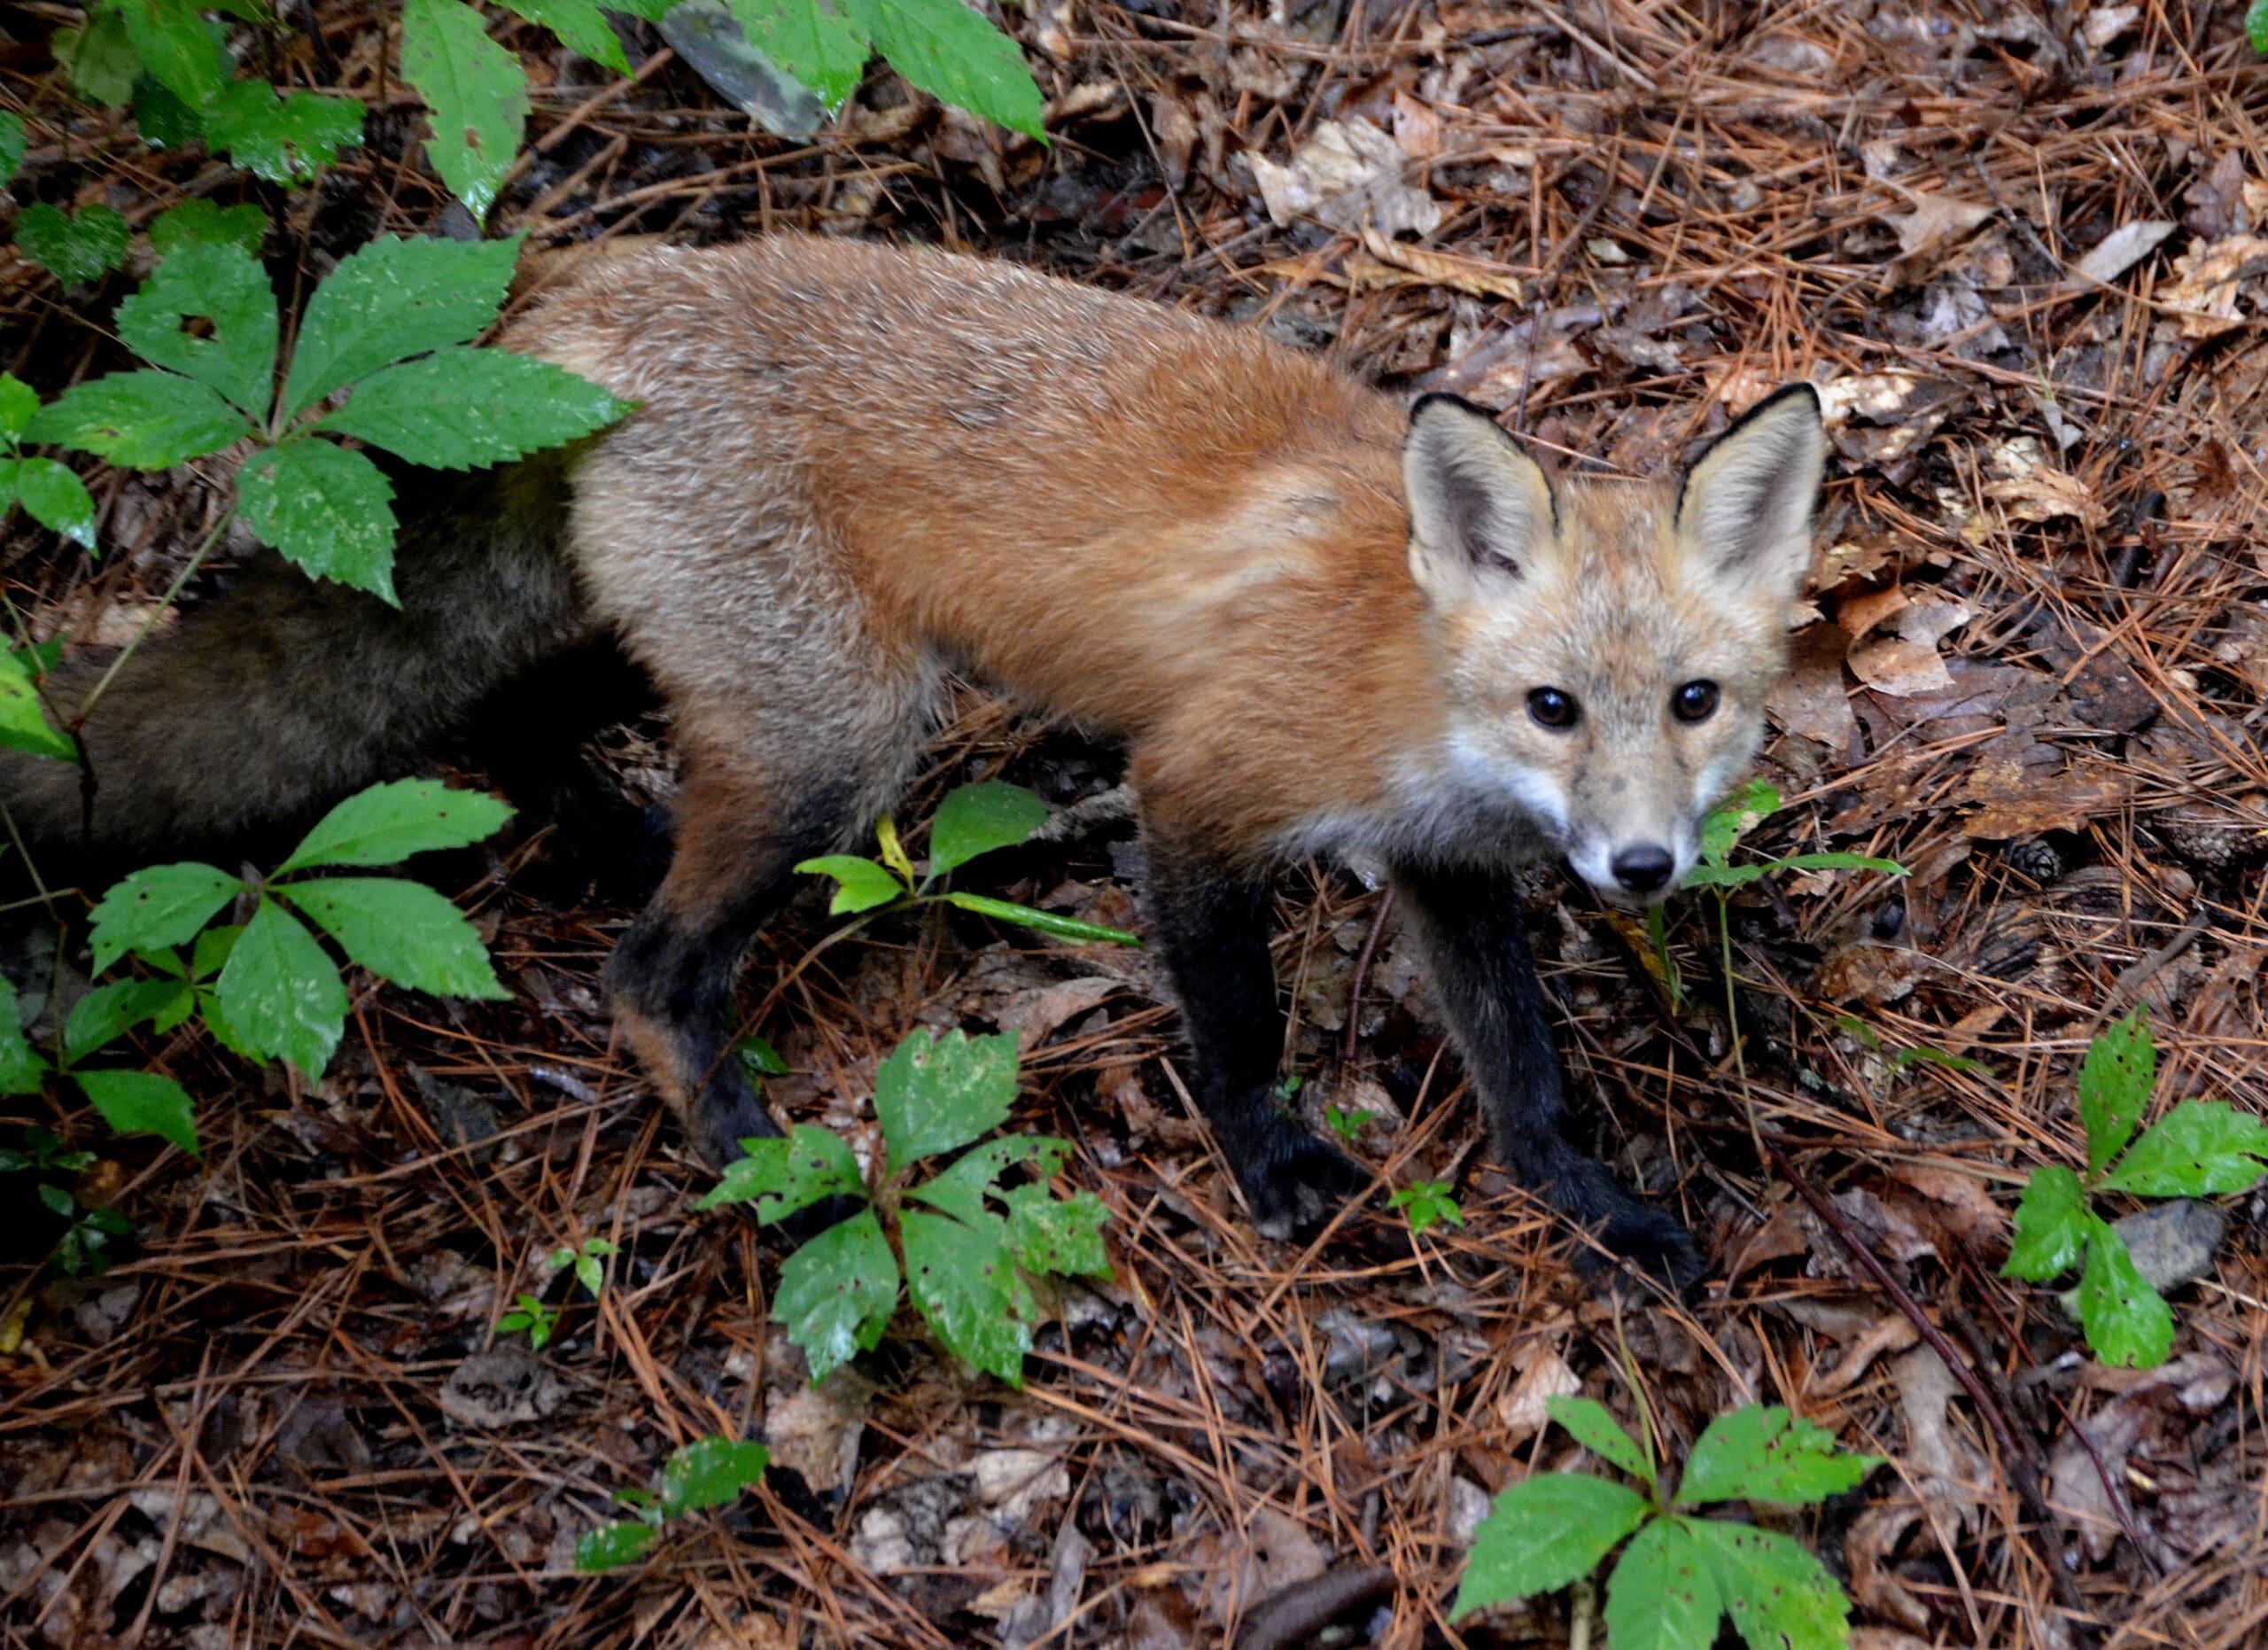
(723, 1117)
(1652, 1240)
(1293, 1181)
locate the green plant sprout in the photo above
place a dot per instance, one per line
(971, 821)
(1348, 1125)
(1920, 1054)
(1428, 1204)
(1681, 1573)
(83, 1247)
(541, 1322)
(2200, 1147)
(711, 1472)
(964, 1262)
(589, 1261)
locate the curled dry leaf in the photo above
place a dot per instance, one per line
(1544, 1376)
(2151, 1406)
(2207, 280)
(1478, 276)
(2033, 490)
(1871, 1549)
(1948, 1473)
(1347, 176)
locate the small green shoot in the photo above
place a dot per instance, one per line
(2200, 1147)
(1348, 1125)
(540, 1322)
(83, 1247)
(1428, 1204)
(589, 1261)
(711, 1472)
(1681, 1573)
(1899, 1059)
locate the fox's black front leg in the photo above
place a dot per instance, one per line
(1471, 926)
(1210, 920)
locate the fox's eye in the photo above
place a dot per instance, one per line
(1696, 702)
(1552, 707)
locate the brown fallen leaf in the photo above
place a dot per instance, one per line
(1345, 176)
(1937, 225)
(1812, 700)
(2207, 280)
(2033, 488)
(1892, 1332)
(1947, 1471)
(1901, 668)
(1242, 1568)
(2123, 248)
(1544, 1376)
(1870, 1549)
(1477, 276)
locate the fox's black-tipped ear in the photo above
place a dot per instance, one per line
(1477, 502)
(1744, 510)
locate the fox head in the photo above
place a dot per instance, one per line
(1606, 646)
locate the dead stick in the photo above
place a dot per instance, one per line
(1306, 1607)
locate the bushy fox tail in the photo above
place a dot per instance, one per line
(281, 693)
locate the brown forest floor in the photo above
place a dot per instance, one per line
(2038, 677)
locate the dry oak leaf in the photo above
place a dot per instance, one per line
(1349, 174)
(2206, 281)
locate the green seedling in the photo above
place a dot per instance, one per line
(1428, 1204)
(713, 1472)
(539, 1321)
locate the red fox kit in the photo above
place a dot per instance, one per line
(1322, 621)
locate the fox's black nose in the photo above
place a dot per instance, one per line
(1644, 869)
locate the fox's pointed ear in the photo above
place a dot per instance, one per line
(1744, 510)
(1480, 506)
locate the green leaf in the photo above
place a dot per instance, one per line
(142, 420)
(960, 1190)
(2255, 27)
(759, 1059)
(611, 1546)
(386, 824)
(281, 139)
(2115, 1086)
(2050, 1226)
(2202, 1148)
(2126, 1321)
(221, 283)
(143, 1102)
(212, 948)
(1776, 1591)
(477, 91)
(395, 299)
(861, 885)
(75, 249)
(18, 406)
(14, 145)
(108, 1012)
(1544, 1533)
(818, 42)
(579, 25)
(164, 905)
(978, 818)
(933, 1095)
(176, 47)
(1045, 921)
(281, 994)
(1763, 1452)
(1838, 861)
(23, 717)
(957, 57)
(199, 222)
(57, 498)
(711, 1472)
(1663, 1594)
(217, 1022)
(1597, 1431)
(783, 1177)
(1428, 1204)
(164, 120)
(402, 931)
(103, 64)
(837, 1292)
(1735, 817)
(325, 507)
(463, 407)
(1063, 1238)
(962, 1278)
(1723, 876)
(22, 1071)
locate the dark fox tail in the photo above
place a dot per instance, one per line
(281, 694)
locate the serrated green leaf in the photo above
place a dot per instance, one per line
(54, 495)
(1587, 1421)
(933, 1095)
(580, 26)
(2127, 1321)
(221, 283)
(162, 904)
(199, 222)
(837, 1292)
(103, 64)
(1775, 1590)
(1045, 921)
(387, 823)
(1059, 1237)
(283, 139)
(392, 299)
(108, 1012)
(18, 406)
(961, 1189)
(2255, 27)
(1764, 1452)
(816, 41)
(477, 91)
(1735, 817)
(711, 1472)
(22, 1071)
(145, 420)
(74, 248)
(964, 1282)
(2200, 1148)
(178, 48)
(23, 717)
(462, 408)
(1544, 1533)
(2115, 1082)
(401, 930)
(217, 1022)
(326, 509)
(860, 884)
(143, 1102)
(611, 1546)
(1663, 1594)
(783, 1176)
(978, 818)
(281, 994)
(957, 57)
(14, 145)
(2050, 1226)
